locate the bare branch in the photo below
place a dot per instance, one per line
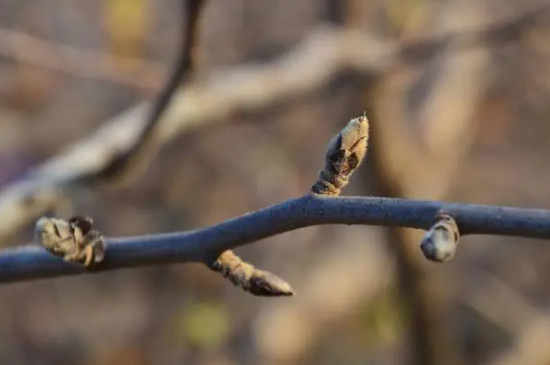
(318, 60)
(33, 262)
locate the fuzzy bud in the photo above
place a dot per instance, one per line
(344, 154)
(440, 242)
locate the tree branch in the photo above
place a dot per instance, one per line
(32, 262)
(320, 58)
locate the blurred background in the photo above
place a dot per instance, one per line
(461, 118)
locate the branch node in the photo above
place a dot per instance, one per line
(73, 240)
(250, 279)
(440, 242)
(344, 154)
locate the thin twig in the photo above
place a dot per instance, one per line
(32, 262)
(143, 147)
(135, 72)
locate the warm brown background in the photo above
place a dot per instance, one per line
(475, 128)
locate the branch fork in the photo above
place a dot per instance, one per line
(76, 242)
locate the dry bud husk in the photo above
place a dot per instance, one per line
(249, 278)
(73, 240)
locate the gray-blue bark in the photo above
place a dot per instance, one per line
(33, 262)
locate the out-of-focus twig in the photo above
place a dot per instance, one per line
(143, 147)
(507, 309)
(147, 74)
(320, 58)
(38, 52)
(497, 302)
(530, 345)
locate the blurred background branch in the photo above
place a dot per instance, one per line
(134, 72)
